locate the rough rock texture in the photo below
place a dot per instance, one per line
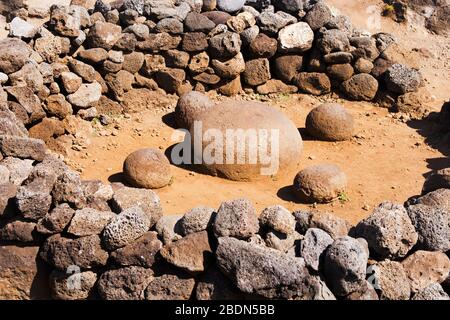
(85, 252)
(77, 286)
(432, 292)
(147, 200)
(432, 225)
(126, 227)
(390, 279)
(345, 265)
(388, 231)
(124, 284)
(424, 268)
(170, 287)
(251, 269)
(191, 253)
(330, 122)
(189, 107)
(196, 220)
(22, 275)
(86, 222)
(237, 219)
(313, 247)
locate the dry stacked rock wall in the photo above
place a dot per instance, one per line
(107, 241)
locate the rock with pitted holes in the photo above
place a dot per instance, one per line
(196, 220)
(127, 283)
(192, 253)
(125, 228)
(389, 231)
(424, 268)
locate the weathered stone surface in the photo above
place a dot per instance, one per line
(58, 106)
(432, 292)
(19, 169)
(18, 231)
(277, 87)
(214, 285)
(235, 115)
(86, 96)
(147, 168)
(319, 183)
(28, 76)
(62, 253)
(277, 218)
(56, 220)
(391, 281)
(296, 37)
(126, 227)
(229, 68)
(432, 225)
(13, 54)
(68, 189)
(313, 83)
(24, 148)
(345, 265)
(360, 87)
(225, 45)
(141, 252)
(191, 253)
(439, 179)
(11, 125)
(318, 16)
(313, 247)
(168, 228)
(236, 218)
(264, 271)
(439, 198)
(257, 71)
(330, 122)
(7, 193)
(189, 108)
(22, 276)
(424, 268)
(159, 42)
(333, 40)
(62, 285)
(124, 284)
(29, 101)
(388, 231)
(401, 79)
(89, 221)
(196, 220)
(287, 67)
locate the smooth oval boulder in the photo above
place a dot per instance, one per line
(268, 143)
(189, 107)
(147, 168)
(319, 183)
(330, 122)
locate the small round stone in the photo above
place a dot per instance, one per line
(319, 183)
(147, 168)
(330, 122)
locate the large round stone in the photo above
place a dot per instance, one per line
(330, 122)
(189, 107)
(320, 183)
(147, 168)
(245, 141)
